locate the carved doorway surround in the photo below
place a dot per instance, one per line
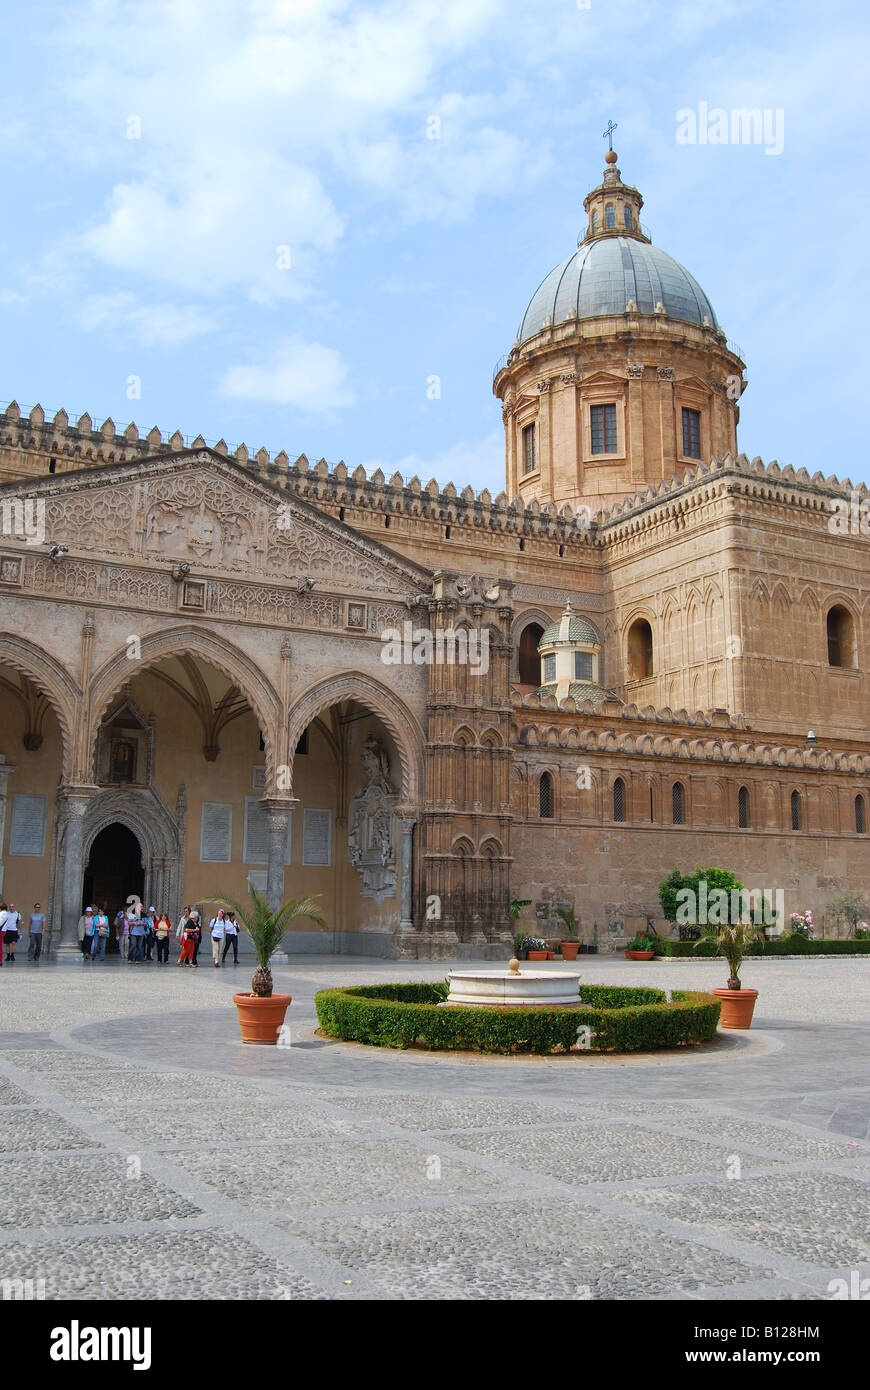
(160, 833)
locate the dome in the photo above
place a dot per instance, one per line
(579, 691)
(604, 274)
(570, 628)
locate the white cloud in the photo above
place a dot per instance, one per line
(306, 375)
(151, 325)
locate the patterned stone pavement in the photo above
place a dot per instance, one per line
(150, 1154)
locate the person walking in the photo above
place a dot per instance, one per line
(150, 919)
(218, 927)
(231, 938)
(162, 933)
(182, 923)
(4, 917)
(137, 936)
(197, 935)
(13, 924)
(86, 927)
(188, 942)
(36, 927)
(99, 935)
(122, 930)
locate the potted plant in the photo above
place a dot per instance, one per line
(535, 948)
(261, 1012)
(732, 941)
(571, 945)
(519, 945)
(640, 947)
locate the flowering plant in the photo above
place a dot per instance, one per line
(802, 923)
(534, 943)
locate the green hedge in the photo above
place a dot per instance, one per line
(620, 1020)
(777, 946)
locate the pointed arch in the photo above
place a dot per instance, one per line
(394, 715)
(54, 681)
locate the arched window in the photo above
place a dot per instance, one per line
(595, 221)
(678, 803)
(619, 800)
(549, 668)
(841, 637)
(629, 220)
(743, 809)
(529, 660)
(795, 810)
(640, 650)
(610, 216)
(860, 816)
(545, 796)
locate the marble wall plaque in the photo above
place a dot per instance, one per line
(259, 879)
(27, 826)
(216, 834)
(256, 849)
(316, 837)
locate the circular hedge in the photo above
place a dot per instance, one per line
(607, 1019)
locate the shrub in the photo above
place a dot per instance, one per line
(792, 945)
(619, 1020)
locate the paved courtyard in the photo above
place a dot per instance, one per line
(146, 1152)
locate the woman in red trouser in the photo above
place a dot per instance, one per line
(188, 941)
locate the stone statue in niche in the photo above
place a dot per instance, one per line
(123, 761)
(371, 839)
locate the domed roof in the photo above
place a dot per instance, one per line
(603, 274)
(571, 627)
(582, 690)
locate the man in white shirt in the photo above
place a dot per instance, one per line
(218, 928)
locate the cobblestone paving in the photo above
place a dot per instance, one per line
(147, 1153)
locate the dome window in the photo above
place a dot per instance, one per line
(841, 637)
(629, 220)
(640, 650)
(583, 666)
(610, 216)
(545, 796)
(603, 428)
(529, 660)
(530, 458)
(595, 221)
(549, 668)
(691, 434)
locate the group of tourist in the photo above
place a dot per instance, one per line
(10, 932)
(139, 932)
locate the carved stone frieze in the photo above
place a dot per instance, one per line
(371, 825)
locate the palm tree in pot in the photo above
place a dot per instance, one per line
(261, 1013)
(571, 945)
(732, 940)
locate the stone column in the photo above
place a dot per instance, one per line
(75, 804)
(277, 819)
(5, 770)
(406, 939)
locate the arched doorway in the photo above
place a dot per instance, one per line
(114, 871)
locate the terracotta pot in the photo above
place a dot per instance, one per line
(639, 955)
(538, 955)
(737, 1007)
(260, 1019)
(569, 949)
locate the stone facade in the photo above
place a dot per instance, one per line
(191, 657)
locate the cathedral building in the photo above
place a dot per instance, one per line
(421, 702)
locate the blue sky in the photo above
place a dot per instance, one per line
(304, 125)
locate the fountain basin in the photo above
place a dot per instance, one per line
(511, 989)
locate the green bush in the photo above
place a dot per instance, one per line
(773, 946)
(620, 1020)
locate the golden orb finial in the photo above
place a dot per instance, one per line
(611, 157)
(514, 965)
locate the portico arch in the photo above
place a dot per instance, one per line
(189, 640)
(354, 685)
(53, 680)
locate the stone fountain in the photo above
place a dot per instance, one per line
(511, 988)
